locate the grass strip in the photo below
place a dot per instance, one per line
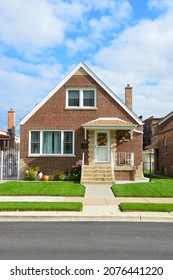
(156, 207)
(157, 188)
(42, 189)
(41, 206)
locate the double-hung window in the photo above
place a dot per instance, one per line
(35, 142)
(73, 98)
(51, 142)
(81, 98)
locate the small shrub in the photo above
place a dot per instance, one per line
(75, 173)
(31, 173)
(59, 176)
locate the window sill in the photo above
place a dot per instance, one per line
(49, 155)
(82, 108)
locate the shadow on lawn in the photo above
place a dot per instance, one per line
(156, 177)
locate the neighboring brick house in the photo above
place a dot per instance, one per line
(8, 138)
(148, 130)
(162, 143)
(148, 154)
(82, 121)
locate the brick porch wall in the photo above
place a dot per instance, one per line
(124, 175)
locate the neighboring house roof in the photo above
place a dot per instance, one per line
(4, 137)
(89, 72)
(165, 118)
(109, 123)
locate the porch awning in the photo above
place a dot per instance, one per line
(4, 137)
(109, 123)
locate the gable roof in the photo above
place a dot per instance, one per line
(66, 78)
(165, 118)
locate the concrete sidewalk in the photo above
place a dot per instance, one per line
(99, 204)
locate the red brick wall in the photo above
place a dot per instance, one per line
(124, 175)
(166, 158)
(53, 115)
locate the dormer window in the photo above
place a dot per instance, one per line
(81, 98)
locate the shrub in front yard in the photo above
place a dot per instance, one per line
(59, 176)
(31, 173)
(75, 173)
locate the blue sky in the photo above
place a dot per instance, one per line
(122, 41)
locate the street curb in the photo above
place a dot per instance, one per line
(60, 218)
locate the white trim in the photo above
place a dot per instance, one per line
(138, 131)
(109, 126)
(67, 77)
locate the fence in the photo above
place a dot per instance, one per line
(9, 165)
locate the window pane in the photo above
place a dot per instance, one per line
(35, 142)
(88, 98)
(57, 142)
(68, 142)
(73, 98)
(51, 142)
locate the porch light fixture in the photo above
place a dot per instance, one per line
(126, 137)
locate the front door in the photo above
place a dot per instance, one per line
(102, 146)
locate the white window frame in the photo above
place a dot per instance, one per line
(62, 144)
(81, 105)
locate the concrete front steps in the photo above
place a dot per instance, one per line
(97, 174)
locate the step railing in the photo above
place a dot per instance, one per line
(112, 166)
(82, 167)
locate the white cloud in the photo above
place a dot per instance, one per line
(24, 84)
(78, 45)
(29, 25)
(160, 4)
(141, 55)
(102, 20)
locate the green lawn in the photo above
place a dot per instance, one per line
(159, 187)
(42, 188)
(40, 206)
(156, 207)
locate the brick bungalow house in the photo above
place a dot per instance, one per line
(82, 121)
(162, 143)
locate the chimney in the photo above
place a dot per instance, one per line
(11, 122)
(128, 96)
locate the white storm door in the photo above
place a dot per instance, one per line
(102, 146)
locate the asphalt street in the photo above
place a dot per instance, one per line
(85, 240)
